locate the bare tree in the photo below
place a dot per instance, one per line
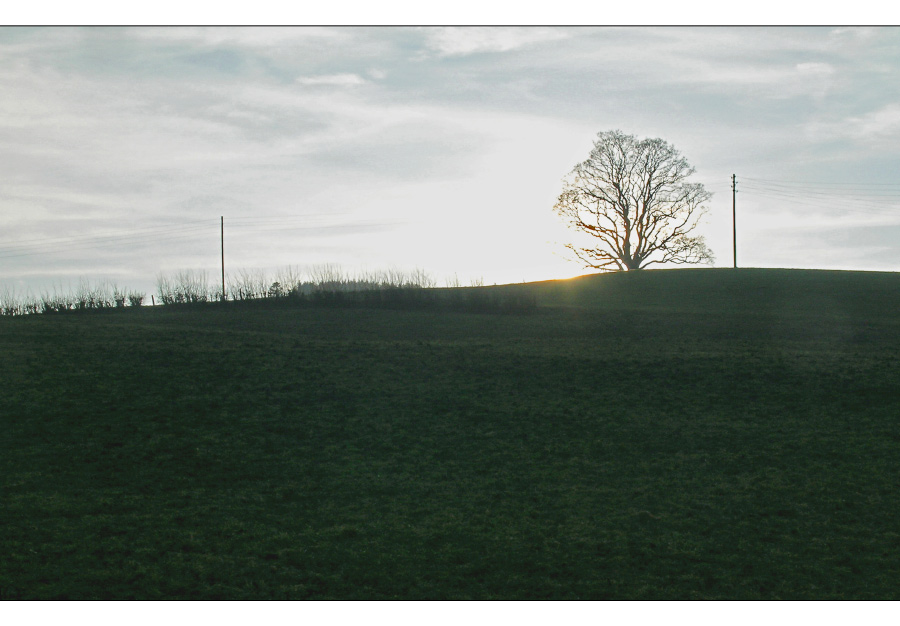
(633, 197)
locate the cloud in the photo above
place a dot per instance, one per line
(880, 125)
(333, 80)
(816, 69)
(875, 129)
(253, 37)
(611, 63)
(860, 32)
(777, 75)
(456, 41)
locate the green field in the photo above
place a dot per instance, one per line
(686, 434)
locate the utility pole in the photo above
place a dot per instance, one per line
(222, 234)
(734, 216)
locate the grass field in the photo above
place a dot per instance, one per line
(688, 434)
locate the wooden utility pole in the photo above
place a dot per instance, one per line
(222, 234)
(734, 216)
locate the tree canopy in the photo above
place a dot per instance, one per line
(633, 197)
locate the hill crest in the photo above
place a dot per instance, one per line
(741, 290)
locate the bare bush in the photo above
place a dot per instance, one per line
(327, 277)
(119, 297)
(289, 277)
(10, 303)
(56, 302)
(185, 287)
(194, 286)
(82, 296)
(248, 284)
(98, 296)
(86, 296)
(165, 289)
(330, 277)
(420, 278)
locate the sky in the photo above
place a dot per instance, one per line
(439, 148)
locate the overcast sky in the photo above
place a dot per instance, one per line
(437, 148)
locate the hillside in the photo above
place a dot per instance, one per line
(679, 434)
(780, 291)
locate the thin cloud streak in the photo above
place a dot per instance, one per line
(335, 80)
(458, 41)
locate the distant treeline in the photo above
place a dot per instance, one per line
(191, 287)
(323, 285)
(87, 296)
(329, 285)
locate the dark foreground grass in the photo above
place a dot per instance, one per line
(683, 445)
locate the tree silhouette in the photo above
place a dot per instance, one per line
(632, 196)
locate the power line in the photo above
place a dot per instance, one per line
(283, 216)
(817, 183)
(833, 204)
(22, 244)
(874, 198)
(45, 246)
(842, 194)
(843, 191)
(88, 244)
(78, 245)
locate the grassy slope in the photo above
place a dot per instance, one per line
(684, 434)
